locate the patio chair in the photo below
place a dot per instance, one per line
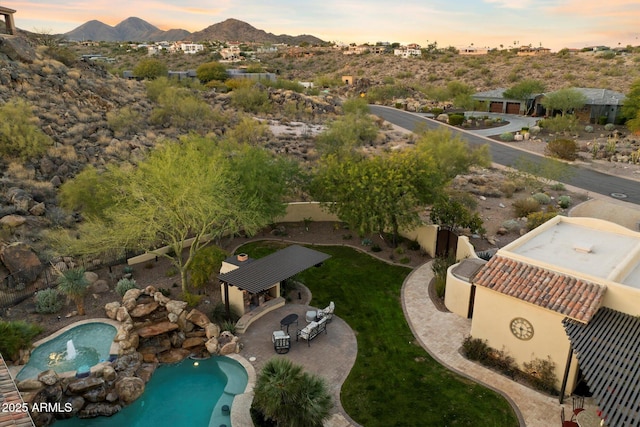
(326, 312)
(281, 342)
(566, 423)
(578, 405)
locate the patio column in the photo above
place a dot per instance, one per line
(8, 20)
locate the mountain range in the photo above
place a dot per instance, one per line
(139, 30)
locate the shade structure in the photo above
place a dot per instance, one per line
(265, 272)
(608, 350)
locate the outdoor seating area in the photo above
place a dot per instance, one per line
(581, 416)
(316, 315)
(281, 342)
(312, 330)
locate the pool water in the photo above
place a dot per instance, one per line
(92, 342)
(190, 393)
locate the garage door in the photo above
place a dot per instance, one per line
(496, 107)
(513, 108)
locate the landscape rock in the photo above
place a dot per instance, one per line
(102, 409)
(21, 261)
(49, 377)
(212, 345)
(111, 309)
(142, 310)
(129, 389)
(174, 355)
(100, 287)
(82, 385)
(176, 307)
(30, 384)
(157, 329)
(198, 318)
(212, 330)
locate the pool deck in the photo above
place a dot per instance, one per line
(10, 396)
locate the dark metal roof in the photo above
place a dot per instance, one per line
(265, 272)
(608, 350)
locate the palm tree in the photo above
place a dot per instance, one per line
(290, 397)
(74, 285)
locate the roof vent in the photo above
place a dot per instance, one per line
(584, 248)
(242, 257)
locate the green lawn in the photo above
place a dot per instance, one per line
(394, 381)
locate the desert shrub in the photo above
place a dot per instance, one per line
(211, 71)
(534, 130)
(124, 285)
(476, 349)
(506, 136)
(251, 99)
(564, 201)
(536, 219)
(62, 54)
(588, 129)
(456, 119)
(568, 123)
(508, 188)
(150, 68)
(609, 127)
(414, 245)
(192, 300)
(171, 271)
(436, 111)
(511, 224)
(20, 134)
(541, 373)
(558, 186)
(125, 120)
(228, 325)
(523, 207)
(439, 268)
(542, 198)
(502, 361)
(48, 301)
(15, 336)
(565, 149)
(375, 248)
(602, 120)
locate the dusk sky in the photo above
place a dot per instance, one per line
(484, 23)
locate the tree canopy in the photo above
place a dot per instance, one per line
(631, 107)
(386, 192)
(150, 68)
(524, 90)
(564, 100)
(211, 71)
(197, 189)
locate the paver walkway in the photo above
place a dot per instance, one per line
(442, 333)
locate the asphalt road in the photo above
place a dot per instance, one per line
(589, 180)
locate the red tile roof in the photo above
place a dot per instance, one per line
(573, 297)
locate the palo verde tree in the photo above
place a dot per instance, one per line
(150, 68)
(631, 107)
(20, 135)
(564, 100)
(211, 71)
(523, 91)
(184, 195)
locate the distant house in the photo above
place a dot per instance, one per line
(533, 51)
(600, 103)
(495, 102)
(191, 48)
(237, 73)
(472, 50)
(356, 50)
(409, 51)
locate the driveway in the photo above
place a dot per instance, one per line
(516, 123)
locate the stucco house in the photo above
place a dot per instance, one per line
(568, 290)
(600, 103)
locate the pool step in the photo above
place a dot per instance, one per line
(236, 376)
(218, 416)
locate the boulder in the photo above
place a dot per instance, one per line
(198, 318)
(38, 209)
(174, 355)
(129, 389)
(130, 342)
(212, 345)
(17, 48)
(122, 315)
(177, 338)
(109, 373)
(97, 394)
(193, 342)
(76, 402)
(133, 293)
(146, 370)
(100, 287)
(157, 329)
(111, 309)
(212, 330)
(183, 323)
(150, 290)
(30, 384)
(230, 347)
(83, 385)
(112, 396)
(49, 377)
(161, 299)
(101, 409)
(51, 393)
(173, 318)
(21, 261)
(176, 307)
(91, 277)
(142, 310)
(12, 221)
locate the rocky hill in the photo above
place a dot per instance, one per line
(235, 30)
(131, 29)
(136, 29)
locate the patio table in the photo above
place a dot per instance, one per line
(588, 418)
(288, 320)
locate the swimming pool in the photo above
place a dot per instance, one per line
(91, 343)
(191, 393)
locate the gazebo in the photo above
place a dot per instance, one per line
(247, 284)
(7, 14)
